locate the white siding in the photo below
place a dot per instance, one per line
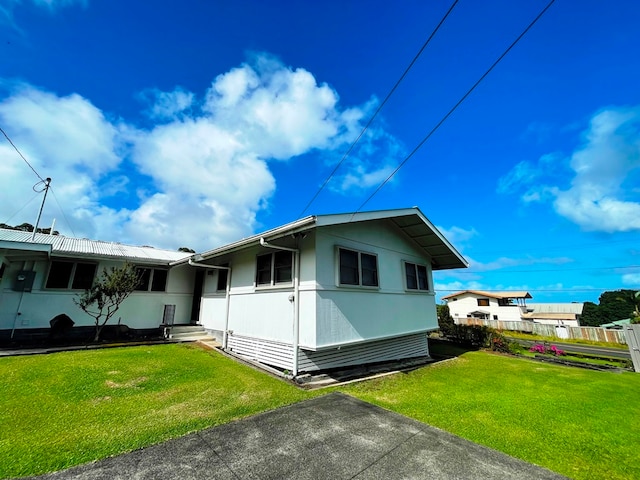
(467, 304)
(38, 307)
(351, 314)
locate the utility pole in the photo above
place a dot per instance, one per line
(47, 182)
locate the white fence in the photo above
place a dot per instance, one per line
(596, 334)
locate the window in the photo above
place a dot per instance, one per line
(152, 279)
(495, 317)
(483, 302)
(505, 302)
(75, 275)
(416, 276)
(357, 268)
(223, 275)
(274, 268)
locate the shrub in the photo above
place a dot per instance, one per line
(543, 349)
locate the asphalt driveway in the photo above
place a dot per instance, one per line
(331, 437)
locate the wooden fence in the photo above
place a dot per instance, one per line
(596, 334)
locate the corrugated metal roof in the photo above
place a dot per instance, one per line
(549, 316)
(83, 247)
(490, 294)
(556, 307)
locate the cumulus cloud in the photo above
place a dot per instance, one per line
(167, 105)
(201, 174)
(631, 279)
(604, 171)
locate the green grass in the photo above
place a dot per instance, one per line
(578, 341)
(68, 408)
(581, 423)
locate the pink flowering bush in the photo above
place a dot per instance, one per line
(552, 350)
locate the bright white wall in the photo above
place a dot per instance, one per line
(346, 314)
(468, 303)
(140, 310)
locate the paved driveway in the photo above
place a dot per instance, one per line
(331, 437)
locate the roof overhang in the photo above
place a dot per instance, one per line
(410, 221)
(19, 251)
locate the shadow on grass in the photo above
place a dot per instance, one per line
(441, 349)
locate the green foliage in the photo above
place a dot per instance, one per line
(445, 320)
(105, 296)
(499, 343)
(614, 305)
(64, 409)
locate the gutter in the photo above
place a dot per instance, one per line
(296, 299)
(225, 335)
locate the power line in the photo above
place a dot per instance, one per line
(62, 211)
(455, 107)
(375, 114)
(21, 156)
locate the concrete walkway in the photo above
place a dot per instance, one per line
(330, 437)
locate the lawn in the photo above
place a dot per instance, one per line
(580, 423)
(69, 408)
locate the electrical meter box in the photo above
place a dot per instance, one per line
(24, 281)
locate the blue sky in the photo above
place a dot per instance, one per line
(197, 123)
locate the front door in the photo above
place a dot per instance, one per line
(197, 296)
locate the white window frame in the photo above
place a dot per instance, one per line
(359, 285)
(72, 274)
(272, 283)
(152, 273)
(404, 276)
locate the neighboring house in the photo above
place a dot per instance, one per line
(39, 279)
(504, 306)
(327, 291)
(563, 314)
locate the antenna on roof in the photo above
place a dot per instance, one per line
(47, 182)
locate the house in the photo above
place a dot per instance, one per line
(503, 306)
(40, 277)
(562, 314)
(327, 291)
(322, 292)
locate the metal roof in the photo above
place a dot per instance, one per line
(573, 307)
(550, 316)
(16, 243)
(489, 294)
(411, 221)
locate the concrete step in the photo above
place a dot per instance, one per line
(189, 333)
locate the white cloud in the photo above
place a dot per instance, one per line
(605, 170)
(631, 279)
(200, 176)
(7, 8)
(457, 235)
(167, 105)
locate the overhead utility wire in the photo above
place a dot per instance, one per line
(375, 114)
(62, 211)
(21, 156)
(455, 107)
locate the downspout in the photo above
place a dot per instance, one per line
(296, 299)
(227, 297)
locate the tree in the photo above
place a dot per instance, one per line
(445, 320)
(614, 305)
(104, 298)
(590, 317)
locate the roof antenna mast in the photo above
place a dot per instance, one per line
(47, 182)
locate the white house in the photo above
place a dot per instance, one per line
(327, 291)
(504, 306)
(324, 291)
(40, 277)
(563, 314)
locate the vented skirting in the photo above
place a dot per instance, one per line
(281, 355)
